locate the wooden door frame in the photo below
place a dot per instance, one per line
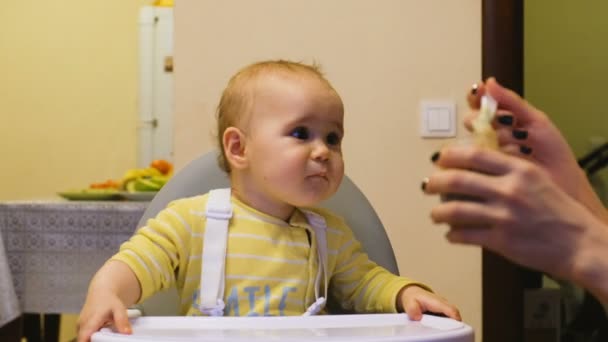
(504, 282)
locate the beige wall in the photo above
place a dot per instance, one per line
(383, 57)
(68, 94)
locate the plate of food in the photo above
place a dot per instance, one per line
(140, 184)
(90, 195)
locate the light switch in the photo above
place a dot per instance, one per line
(438, 119)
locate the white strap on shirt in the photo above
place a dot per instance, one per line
(218, 214)
(318, 224)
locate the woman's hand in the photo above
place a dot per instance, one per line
(522, 214)
(526, 131)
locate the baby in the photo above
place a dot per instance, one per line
(260, 248)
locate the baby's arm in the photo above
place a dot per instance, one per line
(415, 300)
(359, 284)
(113, 288)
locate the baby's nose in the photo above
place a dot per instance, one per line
(320, 151)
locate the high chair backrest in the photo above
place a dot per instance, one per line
(203, 174)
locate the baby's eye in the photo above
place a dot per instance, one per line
(333, 139)
(300, 133)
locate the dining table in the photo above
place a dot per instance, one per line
(50, 250)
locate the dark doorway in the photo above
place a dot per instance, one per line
(504, 282)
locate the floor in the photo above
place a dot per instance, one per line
(67, 330)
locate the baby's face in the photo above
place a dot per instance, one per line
(294, 141)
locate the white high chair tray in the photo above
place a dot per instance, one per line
(334, 328)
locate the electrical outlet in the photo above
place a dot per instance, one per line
(437, 119)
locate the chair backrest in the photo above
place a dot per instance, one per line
(203, 174)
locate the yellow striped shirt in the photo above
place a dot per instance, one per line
(270, 267)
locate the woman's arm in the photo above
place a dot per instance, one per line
(522, 214)
(526, 131)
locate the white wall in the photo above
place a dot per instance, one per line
(383, 57)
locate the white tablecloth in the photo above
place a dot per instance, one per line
(54, 248)
(9, 307)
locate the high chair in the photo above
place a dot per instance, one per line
(203, 174)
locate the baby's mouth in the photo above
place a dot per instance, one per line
(319, 174)
(318, 177)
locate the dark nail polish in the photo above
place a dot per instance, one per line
(520, 135)
(525, 149)
(424, 183)
(474, 88)
(506, 120)
(435, 156)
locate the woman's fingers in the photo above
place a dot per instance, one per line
(511, 142)
(474, 95)
(464, 182)
(520, 151)
(509, 100)
(502, 119)
(474, 158)
(466, 214)
(523, 113)
(506, 136)
(471, 236)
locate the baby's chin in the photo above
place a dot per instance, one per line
(312, 199)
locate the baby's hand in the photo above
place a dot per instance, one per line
(99, 311)
(415, 300)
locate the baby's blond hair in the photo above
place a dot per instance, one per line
(237, 99)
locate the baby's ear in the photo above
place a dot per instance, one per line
(234, 148)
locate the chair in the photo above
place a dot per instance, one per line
(203, 174)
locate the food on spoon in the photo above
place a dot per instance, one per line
(483, 135)
(483, 132)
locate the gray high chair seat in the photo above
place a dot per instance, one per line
(203, 174)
